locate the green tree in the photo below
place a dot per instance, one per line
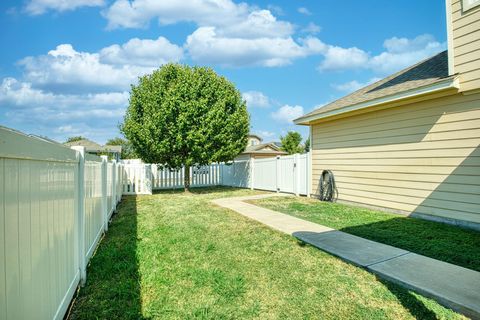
(185, 116)
(73, 139)
(127, 150)
(291, 143)
(307, 144)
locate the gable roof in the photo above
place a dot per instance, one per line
(251, 135)
(264, 148)
(425, 74)
(91, 146)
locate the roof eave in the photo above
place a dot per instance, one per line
(447, 84)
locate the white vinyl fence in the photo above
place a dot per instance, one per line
(55, 203)
(280, 174)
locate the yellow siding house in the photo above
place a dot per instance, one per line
(410, 143)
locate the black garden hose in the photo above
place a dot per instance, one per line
(328, 189)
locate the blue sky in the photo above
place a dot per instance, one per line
(66, 65)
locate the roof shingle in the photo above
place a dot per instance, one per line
(424, 73)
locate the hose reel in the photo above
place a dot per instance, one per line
(328, 190)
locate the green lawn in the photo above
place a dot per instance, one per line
(436, 240)
(177, 256)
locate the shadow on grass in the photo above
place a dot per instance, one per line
(435, 240)
(198, 190)
(112, 290)
(408, 300)
(405, 297)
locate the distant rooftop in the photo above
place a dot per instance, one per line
(91, 146)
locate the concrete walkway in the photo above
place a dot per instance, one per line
(455, 287)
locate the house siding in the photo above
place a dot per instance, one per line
(420, 158)
(466, 45)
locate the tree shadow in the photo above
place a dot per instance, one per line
(198, 190)
(112, 290)
(409, 301)
(405, 297)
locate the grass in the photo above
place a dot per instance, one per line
(177, 256)
(432, 239)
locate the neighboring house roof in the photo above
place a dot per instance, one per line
(430, 74)
(255, 136)
(264, 148)
(91, 146)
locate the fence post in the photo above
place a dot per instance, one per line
(147, 186)
(277, 172)
(104, 193)
(81, 212)
(252, 173)
(221, 173)
(309, 165)
(114, 184)
(296, 175)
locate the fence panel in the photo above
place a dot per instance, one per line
(138, 179)
(94, 215)
(286, 174)
(119, 181)
(265, 174)
(40, 269)
(236, 174)
(302, 171)
(205, 176)
(164, 178)
(110, 186)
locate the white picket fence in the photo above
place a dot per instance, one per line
(55, 204)
(280, 174)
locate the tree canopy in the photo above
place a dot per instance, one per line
(185, 116)
(75, 138)
(307, 144)
(127, 150)
(291, 142)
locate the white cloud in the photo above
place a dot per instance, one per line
(206, 46)
(258, 24)
(114, 67)
(337, 58)
(264, 134)
(304, 11)
(146, 52)
(286, 113)
(25, 101)
(400, 53)
(36, 7)
(138, 13)
(22, 94)
(256, 99)
(276, 9)
(312, 28)
(353, 85)
(94, 115)
(229, 19)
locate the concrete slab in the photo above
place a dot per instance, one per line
(451, 285)
(356, 250)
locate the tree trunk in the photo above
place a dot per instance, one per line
(186, 179)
